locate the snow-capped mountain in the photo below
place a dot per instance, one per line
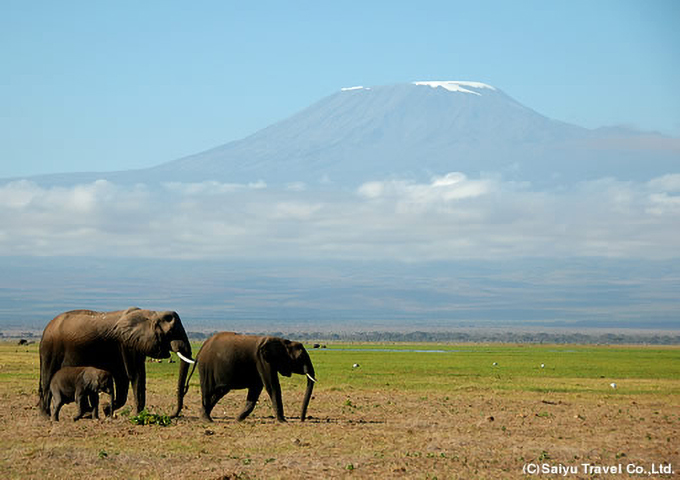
(417, 130)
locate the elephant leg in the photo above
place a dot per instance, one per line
(86, 406)
(56, 407)
(82, 403)
(207, 392)
(251, 401)
(274, 390)
(206, 408)
(48, 367)
(94, 403)
(209, 401)
(120, 397)
(139, 385)
(110, 414)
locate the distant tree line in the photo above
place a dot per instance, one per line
(474, 337)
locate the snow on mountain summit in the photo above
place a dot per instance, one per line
(450, 85)
(457, 86)
(349, 89)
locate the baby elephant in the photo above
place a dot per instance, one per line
(81, 385)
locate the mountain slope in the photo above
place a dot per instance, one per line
(417, 130)
(372, 133)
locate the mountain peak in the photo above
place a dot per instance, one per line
(414, 130)
(457, 86)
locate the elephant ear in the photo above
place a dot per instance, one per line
(275, 353)
(132, 327)
(91, 379)
(137, 331)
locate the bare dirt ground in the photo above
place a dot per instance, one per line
(354, 432)
(367, 435)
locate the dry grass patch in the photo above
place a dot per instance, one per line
(481, 424)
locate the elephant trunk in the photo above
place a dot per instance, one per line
(183, 350)
(181, 346)
(309, 371)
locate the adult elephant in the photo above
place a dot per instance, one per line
(229, 361)
(118, 342)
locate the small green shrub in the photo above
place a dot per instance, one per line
(146, 418)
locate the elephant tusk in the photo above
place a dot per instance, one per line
(311, 378)
(188, 360)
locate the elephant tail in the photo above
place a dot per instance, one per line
(191, 373)
(44, 399)
(186, 385)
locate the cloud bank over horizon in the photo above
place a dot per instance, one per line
(451, 217)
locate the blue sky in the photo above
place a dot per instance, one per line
(88, 86)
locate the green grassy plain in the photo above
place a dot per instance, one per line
(407, 411)
(415, 367)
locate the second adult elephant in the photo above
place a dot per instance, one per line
(229, 361)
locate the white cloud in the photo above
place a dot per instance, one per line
(372, 189)
(18, 194)
(295, 210)
(666, 183)
(450, 217)
(82, 198)
(296, 187)
(664, 204)
(210, 187)
(440, 191)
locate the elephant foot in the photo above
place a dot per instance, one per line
(206, 418)
(242, 416)
(282, 420)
